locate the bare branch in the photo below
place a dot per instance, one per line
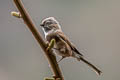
(49, 54)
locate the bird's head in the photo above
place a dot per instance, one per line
(50, 24)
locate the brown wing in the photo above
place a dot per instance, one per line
(62, 36)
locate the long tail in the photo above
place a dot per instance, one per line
(91, 65)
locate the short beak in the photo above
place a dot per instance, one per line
(41, 24)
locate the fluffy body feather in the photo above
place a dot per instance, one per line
(63, 46)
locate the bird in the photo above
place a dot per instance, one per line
(63, 46)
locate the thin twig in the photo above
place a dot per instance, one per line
(49, 54)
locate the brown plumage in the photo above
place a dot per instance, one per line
(63, 46)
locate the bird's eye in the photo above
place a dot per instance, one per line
(48, 22)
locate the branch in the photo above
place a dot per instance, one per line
(49, 54)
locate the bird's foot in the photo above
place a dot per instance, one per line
(61, 59)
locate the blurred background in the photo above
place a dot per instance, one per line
(92, 25)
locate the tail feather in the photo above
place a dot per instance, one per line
(81, 58)
(91, 65)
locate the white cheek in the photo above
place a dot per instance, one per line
(43, 29)
(44, 32)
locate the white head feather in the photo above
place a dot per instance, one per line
(52, 18)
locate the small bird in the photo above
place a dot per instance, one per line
(63, 46)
